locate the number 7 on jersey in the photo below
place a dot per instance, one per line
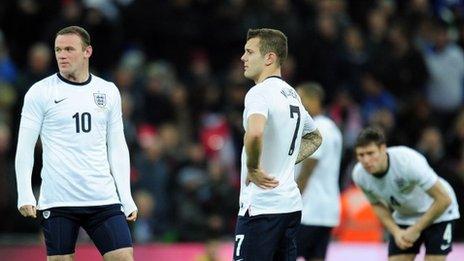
(294, 110)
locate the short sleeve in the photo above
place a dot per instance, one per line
(115, 114)
(420, 171)
(32, 114)
(256, 102)
(308, 123)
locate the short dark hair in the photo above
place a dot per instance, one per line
(271, 40)
(77, 30)
(370, 135)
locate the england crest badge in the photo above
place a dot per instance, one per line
(400, 182)
(100, 99)
(46, 214)
(403, 185)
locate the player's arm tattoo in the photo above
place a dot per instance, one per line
(309, 144)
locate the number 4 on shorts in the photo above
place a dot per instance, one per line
(447, 237)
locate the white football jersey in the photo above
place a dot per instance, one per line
(287, 121)
(404, 186)
(73, 120)
(321, 197)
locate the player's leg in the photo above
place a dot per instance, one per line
(109, 231)
(435, 258)
(121, 254)
(256, 237)
(286, 250)
(61, 258)
(438, 240)
(408, 257)
(60, 232)
(313, 242)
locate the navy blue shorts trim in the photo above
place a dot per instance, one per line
(437, 238)
(267, 237)
(105, 225)
(313, 241)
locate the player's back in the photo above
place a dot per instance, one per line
(282, 134)
(286, 118)
(321, 204)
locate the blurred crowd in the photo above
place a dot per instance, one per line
(395, 64)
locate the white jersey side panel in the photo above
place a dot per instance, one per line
(321, 197)
(404, 186)
(287, 121)
(73, 121)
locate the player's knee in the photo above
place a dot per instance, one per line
(122, 254)
(61, 258)
(435, 258)
(408, 257)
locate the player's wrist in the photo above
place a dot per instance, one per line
(252, 168)
(416, 229)
(396, 231)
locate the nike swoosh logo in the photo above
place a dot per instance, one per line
(58, 101)
(443, 247)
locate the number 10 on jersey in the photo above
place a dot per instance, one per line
(83, 122)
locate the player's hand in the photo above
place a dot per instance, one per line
(28, 211)
(400, 241)
(132, 217)
(261, 179)
(411, 235)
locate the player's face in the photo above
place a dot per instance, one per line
(372, 157)
(70, 55)
(252, 60)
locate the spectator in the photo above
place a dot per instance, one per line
(445, 62)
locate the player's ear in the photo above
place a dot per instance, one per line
(270, 58)
(88, 51)
(383, 147)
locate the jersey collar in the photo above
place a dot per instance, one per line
(272, 76)
(75, 83)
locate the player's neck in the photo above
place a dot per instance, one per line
(268, 72)
(384, 168)
(77, 77)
